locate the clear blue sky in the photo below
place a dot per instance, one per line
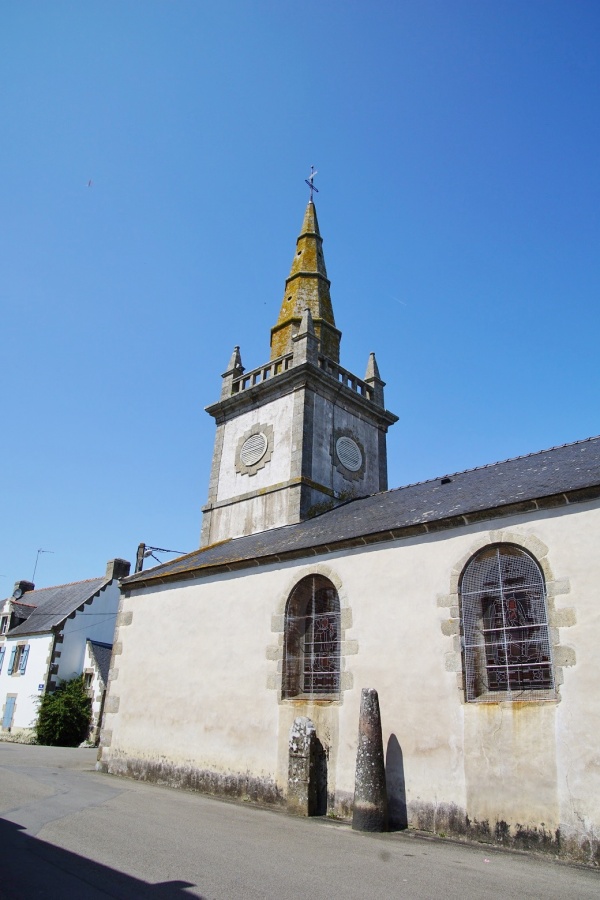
(457, 144)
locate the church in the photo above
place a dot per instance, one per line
(470, 603)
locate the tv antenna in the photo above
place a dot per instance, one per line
(36, 561)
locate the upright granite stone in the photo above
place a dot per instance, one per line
(370, 794)
(303, 772)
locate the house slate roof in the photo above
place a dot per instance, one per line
(22, 610)
(52, 605)
(101, 653)
(550, 478)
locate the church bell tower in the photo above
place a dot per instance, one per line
(299, 434)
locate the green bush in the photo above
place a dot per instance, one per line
(64, 715)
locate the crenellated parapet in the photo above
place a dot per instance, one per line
(283, 364)
(257, 376)
(306, 351)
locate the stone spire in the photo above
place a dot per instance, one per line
(307, 287)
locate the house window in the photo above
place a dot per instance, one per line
(4, 625)
(504, 623)
(311, 665)
(18, 659)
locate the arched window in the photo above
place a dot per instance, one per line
(311, 663)
(504, 625)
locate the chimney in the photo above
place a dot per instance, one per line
(117, 568)
(21, 587)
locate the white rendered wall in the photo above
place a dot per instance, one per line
(260, 513)
(278, 413)
(95, 621)
(29, 686)
(97, 686)
(207, 696)
(182, 700)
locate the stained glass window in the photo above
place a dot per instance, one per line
(505, 625)
(312, 639)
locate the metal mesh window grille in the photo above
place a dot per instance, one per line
(505, 626)
(311, 664)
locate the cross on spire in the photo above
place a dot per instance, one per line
(310, 182)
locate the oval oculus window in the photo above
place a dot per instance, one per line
(253, 449)
(348, 453)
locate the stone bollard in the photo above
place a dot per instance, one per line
(370, 795)
(301, 780)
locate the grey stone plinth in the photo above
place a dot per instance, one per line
(370, 795)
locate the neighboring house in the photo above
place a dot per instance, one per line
(470, 602)
(96, 664)
(44, 638)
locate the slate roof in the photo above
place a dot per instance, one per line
(101, 653)
(550, 478)
(53, 604)
(22, 610)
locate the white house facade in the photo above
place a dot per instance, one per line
(96, 666)
(45, 635)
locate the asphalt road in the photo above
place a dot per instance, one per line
(67, 831)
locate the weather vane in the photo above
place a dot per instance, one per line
(310, 182)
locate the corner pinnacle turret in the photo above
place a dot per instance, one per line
(307, 287)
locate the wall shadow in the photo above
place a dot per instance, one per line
(33, 868)
(319, 774)
(396, 786)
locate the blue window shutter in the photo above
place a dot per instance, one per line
(2, 652)
(23, 663)
(12, 660)
(9, 709)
